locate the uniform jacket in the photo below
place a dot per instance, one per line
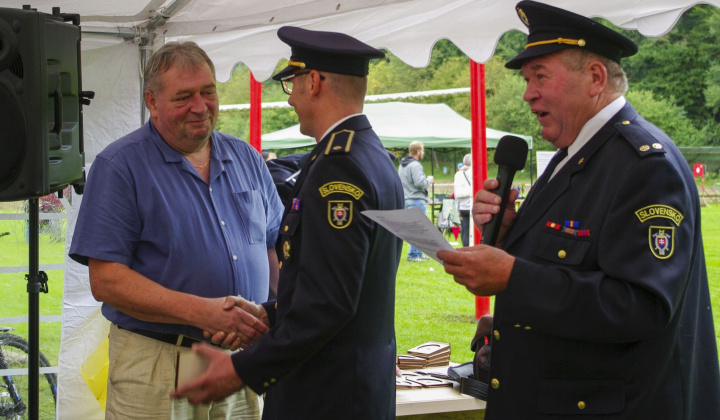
(330, 352)
(607, 311)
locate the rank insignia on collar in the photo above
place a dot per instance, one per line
(662, 241)
(340, 213)
(286, 250)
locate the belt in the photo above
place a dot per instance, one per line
(174, 339)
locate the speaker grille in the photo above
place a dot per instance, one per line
(17, 68)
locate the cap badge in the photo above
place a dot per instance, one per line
(523, 17)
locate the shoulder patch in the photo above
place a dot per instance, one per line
(340, 213)
(340, 142)
(662, 241)
(658, 210)
(342, 188)
(642, 141)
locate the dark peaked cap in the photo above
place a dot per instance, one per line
(325, 51)
(553, 29)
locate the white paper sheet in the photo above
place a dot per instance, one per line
(413, 226)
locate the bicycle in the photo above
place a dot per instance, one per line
(14, 386)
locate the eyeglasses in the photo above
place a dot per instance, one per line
(286, 83)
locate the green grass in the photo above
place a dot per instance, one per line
(429, 304)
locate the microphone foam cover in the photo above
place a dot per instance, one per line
(511, 151)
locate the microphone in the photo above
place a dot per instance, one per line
(510, 156)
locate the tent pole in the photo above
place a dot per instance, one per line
(255, 139)
(479, 152)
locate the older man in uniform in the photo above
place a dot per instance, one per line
(602, 306)
(330, 352)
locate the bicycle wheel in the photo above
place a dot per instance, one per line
(14, 355)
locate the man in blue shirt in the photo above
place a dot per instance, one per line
(174, 218)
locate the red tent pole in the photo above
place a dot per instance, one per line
(255, 113)
(479, 153)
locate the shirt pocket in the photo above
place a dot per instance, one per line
(562, 248)
(252, 215)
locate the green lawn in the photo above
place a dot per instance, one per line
(430, 305)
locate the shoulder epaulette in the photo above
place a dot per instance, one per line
(339, 142)
(640, 139)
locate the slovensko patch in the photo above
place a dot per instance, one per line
(340, 213)
(662, 241)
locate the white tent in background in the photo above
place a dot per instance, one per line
(399, 123)
(119, 35)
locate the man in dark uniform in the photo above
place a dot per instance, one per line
(330, 352)
(602, 306)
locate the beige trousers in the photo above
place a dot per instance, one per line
(142, 376)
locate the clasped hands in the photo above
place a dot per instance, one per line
(220, 379)
(254, 324)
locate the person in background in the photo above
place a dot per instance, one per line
(602, 307)
(415, 187)
(175, 217)
(462, 188)
(330, 352)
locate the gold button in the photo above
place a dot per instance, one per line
(581, 405)
(581, 42)
(644, 148)
(562, 253)
(657, 146)
(580, 162)
(265, 384)
(280, 265)
(286, 228)
(495, 383)
(496, 334)
(626, 122)
(518, 325)
(273, 380)
(528, 328)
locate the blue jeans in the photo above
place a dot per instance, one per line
(411, 203)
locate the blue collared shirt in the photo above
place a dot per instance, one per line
(145, 206)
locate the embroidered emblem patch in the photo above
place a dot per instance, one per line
(659, 210)
(340, 213)
(342, 188)
(523, 17)
(662, 241)
(286, 250)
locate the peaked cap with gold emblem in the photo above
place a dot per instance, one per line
(333, 52)
(553, 29)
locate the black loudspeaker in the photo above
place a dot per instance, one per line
(41, 139)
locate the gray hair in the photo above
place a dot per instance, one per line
(575, 59)
(467, 160)
(186, 55)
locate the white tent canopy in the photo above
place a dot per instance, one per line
(118, 35)
(398, 124)
(234, 31)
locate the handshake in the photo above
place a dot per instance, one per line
(243, 324)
